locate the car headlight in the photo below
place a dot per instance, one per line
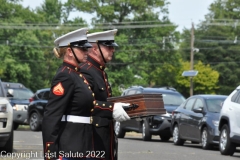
(215, 123)
(3, 107)
(19, 107)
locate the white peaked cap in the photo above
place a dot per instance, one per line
(74, 36)
(102, 36)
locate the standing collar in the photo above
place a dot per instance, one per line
(70, 65)
(95, 62)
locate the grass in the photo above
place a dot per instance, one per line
(23, 127)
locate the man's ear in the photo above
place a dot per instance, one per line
(94, 49)
(69, 51)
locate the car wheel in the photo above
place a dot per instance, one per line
(164, 137)
(146, 136)
(15, 126)
(34, 121)
(118, 130)
(176, 136)
(226, 147)
(204, 139)
(9, 145)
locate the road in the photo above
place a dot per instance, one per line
(28, 145)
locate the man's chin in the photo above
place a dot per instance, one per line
(109, 59)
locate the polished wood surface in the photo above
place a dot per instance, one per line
(149, 104)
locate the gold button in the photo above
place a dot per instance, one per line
(85, 81)
(110, 106)
(96, 124)
(108, 86)
(88, 63)
(89, 87)
(110, 94)
(76, 68)
(106, 80)
(91, 120)
(80, 75)
(103, 104)
(49, 158)
(91, 110)
(96, 104)
(102, 88)
(93, 94)
(48, 145)
(48, 150)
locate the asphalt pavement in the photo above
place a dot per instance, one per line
(28, 145)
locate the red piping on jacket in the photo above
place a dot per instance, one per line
(103, 108)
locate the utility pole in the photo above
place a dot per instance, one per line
(192, 59)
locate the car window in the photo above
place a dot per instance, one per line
(173, 99)
(131, 92)
(189, 104)
(21, 94)
(214, 105)
(198, 104)
(1, 91)
(138, 92)
(40, 95)
(45, 95)
(237, 99)
(235, 96)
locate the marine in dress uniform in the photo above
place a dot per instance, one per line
(68, 122)
(95, 74)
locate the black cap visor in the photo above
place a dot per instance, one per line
(81, 44)
(108, 43)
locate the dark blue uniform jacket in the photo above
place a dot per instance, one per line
(71, 94)
(98, 80)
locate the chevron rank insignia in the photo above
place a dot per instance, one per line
(58, 89)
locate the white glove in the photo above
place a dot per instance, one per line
(119, 114)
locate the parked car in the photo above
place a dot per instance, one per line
(6, 123)
(229, 124)
(35, 109)
(151, 125)
(19, 96)
(197, 120)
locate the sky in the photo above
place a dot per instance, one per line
(181, 12)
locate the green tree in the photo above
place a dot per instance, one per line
(217, 39)
(146, 39)
(27, 43)
(15, 55)
(206, 81)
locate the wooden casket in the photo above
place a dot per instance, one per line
(149, 104)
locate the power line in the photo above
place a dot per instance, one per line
(82, 24)
(132, 42)
(55, 26)
(95, 27)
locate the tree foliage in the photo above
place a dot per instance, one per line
(143, 50)
(147, 40)
(217, 39)
(206, 81)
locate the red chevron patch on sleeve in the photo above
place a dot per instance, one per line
(58, 89)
